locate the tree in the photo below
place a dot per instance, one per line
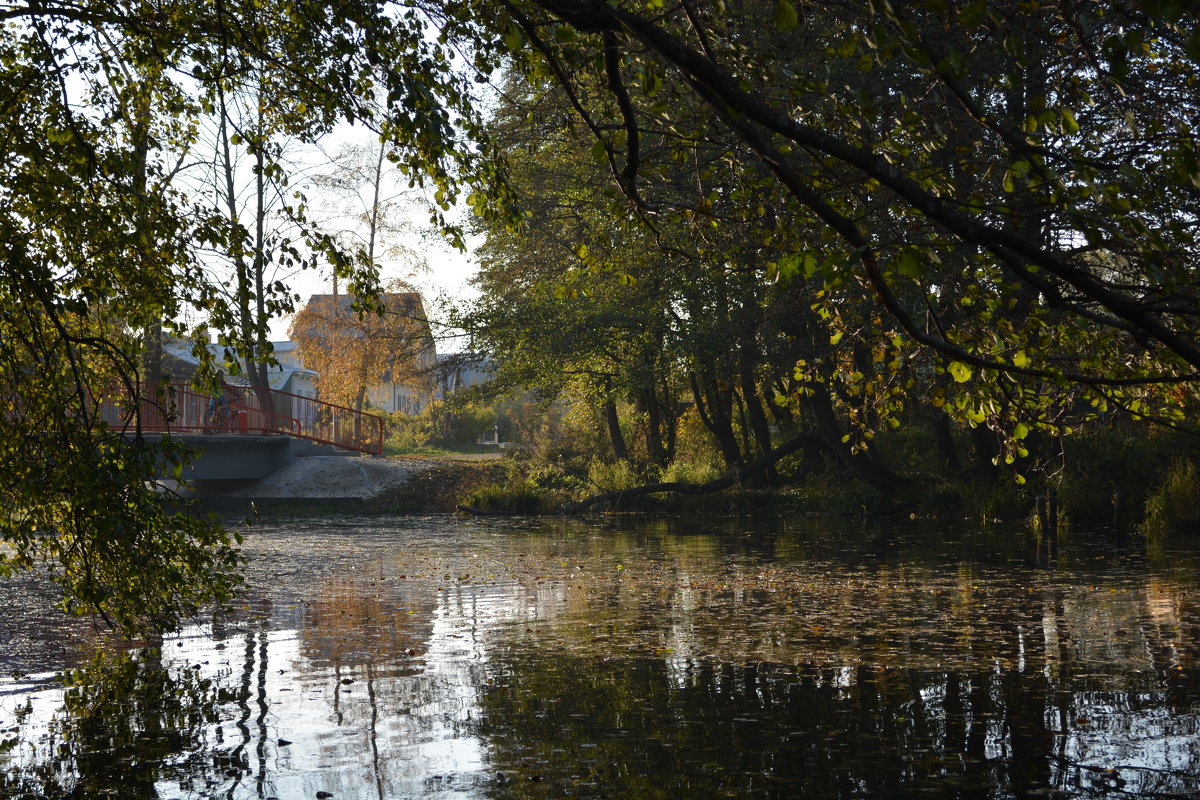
(369, 211)
(567, 305)
(257, 222)
(94, 253)
(584, 298)
(355, 346)
(1004, 190)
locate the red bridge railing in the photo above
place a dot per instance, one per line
(251, 411)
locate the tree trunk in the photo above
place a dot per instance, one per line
(758, 418)
(655, 450)
(257, 335)
(670, 419)
(986, 451)
(360, 399)
(943, 437)
(747, 445)
(718, 420)
(869, 465)
(615, 436)
(139, 129)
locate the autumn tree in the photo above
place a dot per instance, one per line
(657, 311)
(356, 344)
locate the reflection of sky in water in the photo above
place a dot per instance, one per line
(376, 728)
(385, 662)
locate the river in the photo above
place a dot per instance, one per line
(631, 658)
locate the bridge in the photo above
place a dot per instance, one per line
(256, 433)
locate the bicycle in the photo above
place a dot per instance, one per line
(219, 416)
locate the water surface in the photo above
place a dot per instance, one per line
(408, 658)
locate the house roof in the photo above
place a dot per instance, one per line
(181, 351)
(406, 303)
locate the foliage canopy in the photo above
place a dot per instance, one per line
(984, 208)
(354, 349)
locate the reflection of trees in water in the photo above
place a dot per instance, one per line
(399, 674)
(347, 624)
(961, 684)
(126, 722)
(632, 728)
(251, 700)
(371, 646)
(656, 666)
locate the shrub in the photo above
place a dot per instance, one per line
(688, 470)
(439, 428)
(611, 476)
(1177, 499)
(515, 496)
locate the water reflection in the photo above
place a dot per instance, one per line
(647, 659)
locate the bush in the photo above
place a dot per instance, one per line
(438, 428)
(687, 470)
(1177, 499)
(515, 496)
(611, 476)
(409, 434)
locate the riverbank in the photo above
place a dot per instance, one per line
(491, 484)
(387, 485)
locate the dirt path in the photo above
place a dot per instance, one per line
(400, 483)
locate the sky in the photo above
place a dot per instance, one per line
(337, 177)
(446, 279)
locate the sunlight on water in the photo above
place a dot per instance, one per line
(407, 658)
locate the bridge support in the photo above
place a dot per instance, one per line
(236, 459)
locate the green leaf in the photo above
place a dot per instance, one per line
(600, 151)
(1070, 125)
(810, 265)
(786, 18)
(972, 14)
(514, 38)
(911, 263)
(1020, 431)
(959, 371)
(787, 266)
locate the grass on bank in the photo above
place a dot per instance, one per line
(1124, 495)
(1105, 474)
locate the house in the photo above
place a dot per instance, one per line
(291, 375)
(180, 362)
(384, 361)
